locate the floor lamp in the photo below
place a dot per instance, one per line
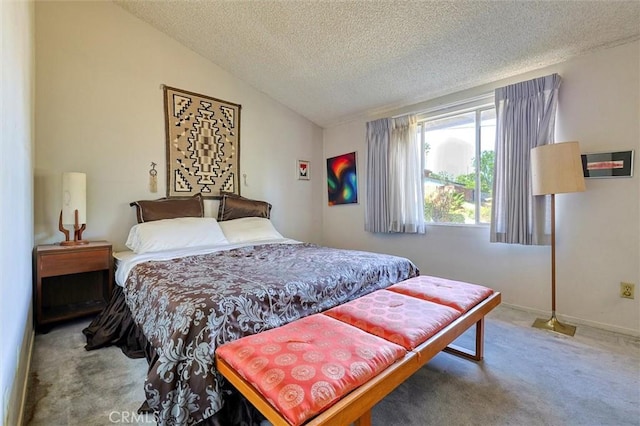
(556, 169)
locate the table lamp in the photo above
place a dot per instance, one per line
(74, 207)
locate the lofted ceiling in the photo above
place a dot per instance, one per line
(333, 60)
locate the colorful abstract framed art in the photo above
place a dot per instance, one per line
(342, 179)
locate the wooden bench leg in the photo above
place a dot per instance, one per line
(465, 353)
(364, 420)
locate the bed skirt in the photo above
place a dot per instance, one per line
(114, 326)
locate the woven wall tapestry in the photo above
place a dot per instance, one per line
(203, 144)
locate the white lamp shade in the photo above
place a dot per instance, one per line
(74, 197)
(556, 169)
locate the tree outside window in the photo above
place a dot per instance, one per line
(459, 154)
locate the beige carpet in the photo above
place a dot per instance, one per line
(528, 377)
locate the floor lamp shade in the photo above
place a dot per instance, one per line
(556, 169)
(74, 197)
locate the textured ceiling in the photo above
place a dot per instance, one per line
(330, 61)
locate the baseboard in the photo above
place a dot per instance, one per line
(25, 383)
(578, 321)
(18, 397)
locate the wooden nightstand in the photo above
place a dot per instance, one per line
(71, 281)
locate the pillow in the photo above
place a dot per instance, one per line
(249, 229)
(233, 206)
(168, 208)
(172, 234)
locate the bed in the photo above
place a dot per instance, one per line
(177, 299)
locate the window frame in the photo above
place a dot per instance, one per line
(477, 105)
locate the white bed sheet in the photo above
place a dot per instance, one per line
(127, 260)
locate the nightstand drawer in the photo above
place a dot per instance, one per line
(54, 264)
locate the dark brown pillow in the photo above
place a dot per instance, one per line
(233, 206)
(231, 194)
(168, 208)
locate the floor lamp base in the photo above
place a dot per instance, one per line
(554, 325)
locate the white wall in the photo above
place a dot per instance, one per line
(99, 110)
(598, 231)
(16, 189)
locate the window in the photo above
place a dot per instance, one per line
(459, 149)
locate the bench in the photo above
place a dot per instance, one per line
(332, 368)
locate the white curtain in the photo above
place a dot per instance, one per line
(395, 200)
(525, 118)
(406, 199)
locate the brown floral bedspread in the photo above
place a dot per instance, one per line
(187, 307)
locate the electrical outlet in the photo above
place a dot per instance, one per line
(627, 290)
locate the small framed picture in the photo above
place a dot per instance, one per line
(608, 164)
(303, 170)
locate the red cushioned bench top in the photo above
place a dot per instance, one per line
(405, 320)
(456, 294)
(305, 366)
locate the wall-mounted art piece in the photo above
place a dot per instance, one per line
(303, 170)
(608, 164)
(342, 179)
(203, 144)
